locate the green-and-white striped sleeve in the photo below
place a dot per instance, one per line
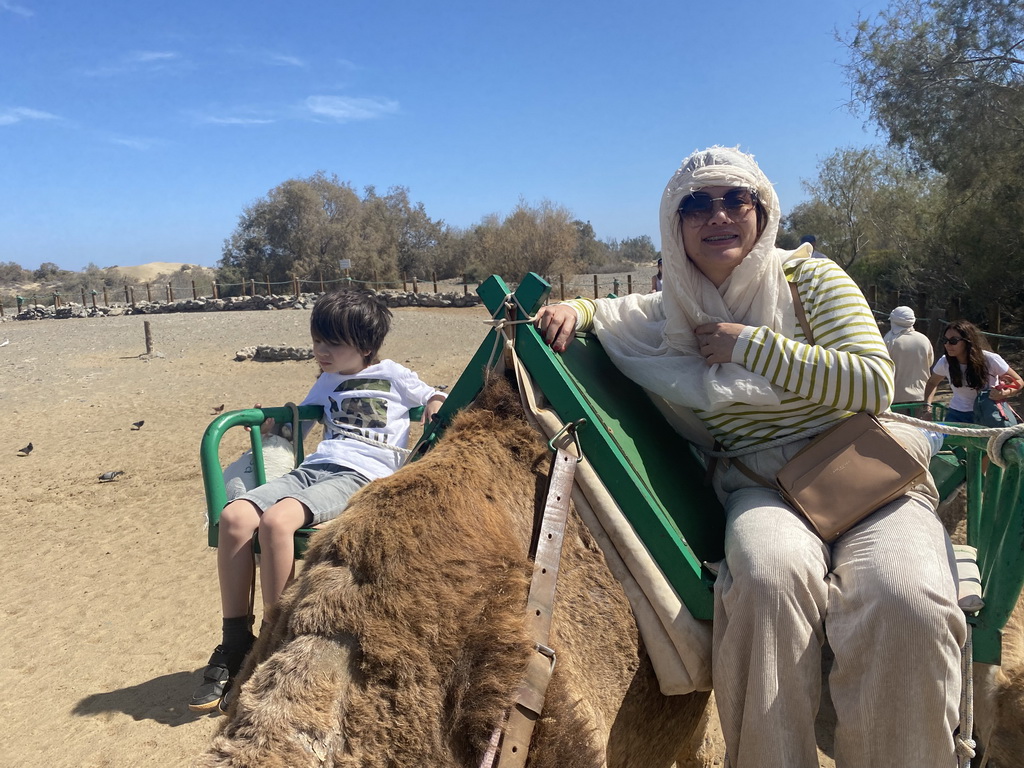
(847, 368)
(584, 313)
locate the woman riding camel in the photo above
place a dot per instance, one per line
(723, 341)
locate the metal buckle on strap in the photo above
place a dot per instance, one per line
(573, 429)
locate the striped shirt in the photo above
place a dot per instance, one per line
(846, 370)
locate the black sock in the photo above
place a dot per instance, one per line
(236, 632)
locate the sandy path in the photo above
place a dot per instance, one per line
(110, 602)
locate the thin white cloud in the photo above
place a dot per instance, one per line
(133, 142)
(284, 60)
(216, 120)
(18, 10)
(343, 109)
(147, 57)
(21, 114)
(137, 61)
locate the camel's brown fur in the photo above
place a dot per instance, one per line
(999, 698)
(403, 640)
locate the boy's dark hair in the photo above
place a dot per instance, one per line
(358, 318)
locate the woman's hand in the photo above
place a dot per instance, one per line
(556, 324)
(1009, 385)
(717, 341)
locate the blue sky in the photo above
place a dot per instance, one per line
(133, 132)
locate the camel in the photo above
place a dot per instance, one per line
(999, 699)
(403, 641)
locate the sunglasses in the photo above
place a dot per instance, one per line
(696, 208)
(952, 340)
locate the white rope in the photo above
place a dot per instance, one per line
(966, 746)
(997, 436)
(501, 325)
(350, 434)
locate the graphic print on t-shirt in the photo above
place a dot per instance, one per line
(360, 413)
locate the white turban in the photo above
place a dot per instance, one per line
(901, 321)
(656, 346)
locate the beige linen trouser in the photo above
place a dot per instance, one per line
(883, 594)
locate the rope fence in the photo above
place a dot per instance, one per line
(931, 321)
(172, 291)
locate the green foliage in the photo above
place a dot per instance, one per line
(944, 79)
(637, 250)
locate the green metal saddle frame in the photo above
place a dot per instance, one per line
(655, 479)
(659, 485)
(213, 473)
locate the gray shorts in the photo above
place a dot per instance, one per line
(324, 489)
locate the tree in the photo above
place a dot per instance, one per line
(541, 239)
(638, 250)
(590, 252)
(301, 229)
(875, 214)
(945, 80)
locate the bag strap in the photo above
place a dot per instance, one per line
(801, 316)
(759, 479)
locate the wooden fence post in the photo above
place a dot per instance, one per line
(170, 293)
(194, 296)
(595, 282)
(131, 292)
(83, 297)
(215, 292)
(995, 325)
(415, 284)
(629, 281)
(266, 279)
(465, 284)
(935, 327)
(321, 274)
(954, 308)
(106, 302)
(561, 287)
(433, 277)
(149, 293)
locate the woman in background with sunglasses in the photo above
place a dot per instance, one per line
(722, 342)
(970, 367)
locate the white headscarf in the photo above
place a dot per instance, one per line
(901, 321)
(650, 336)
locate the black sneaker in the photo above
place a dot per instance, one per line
(230, 692)
(224, 664)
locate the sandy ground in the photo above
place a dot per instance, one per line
(110, 605)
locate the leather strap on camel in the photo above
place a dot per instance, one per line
(510, 741)
(513, 736)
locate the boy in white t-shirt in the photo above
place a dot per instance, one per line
(366, 416)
